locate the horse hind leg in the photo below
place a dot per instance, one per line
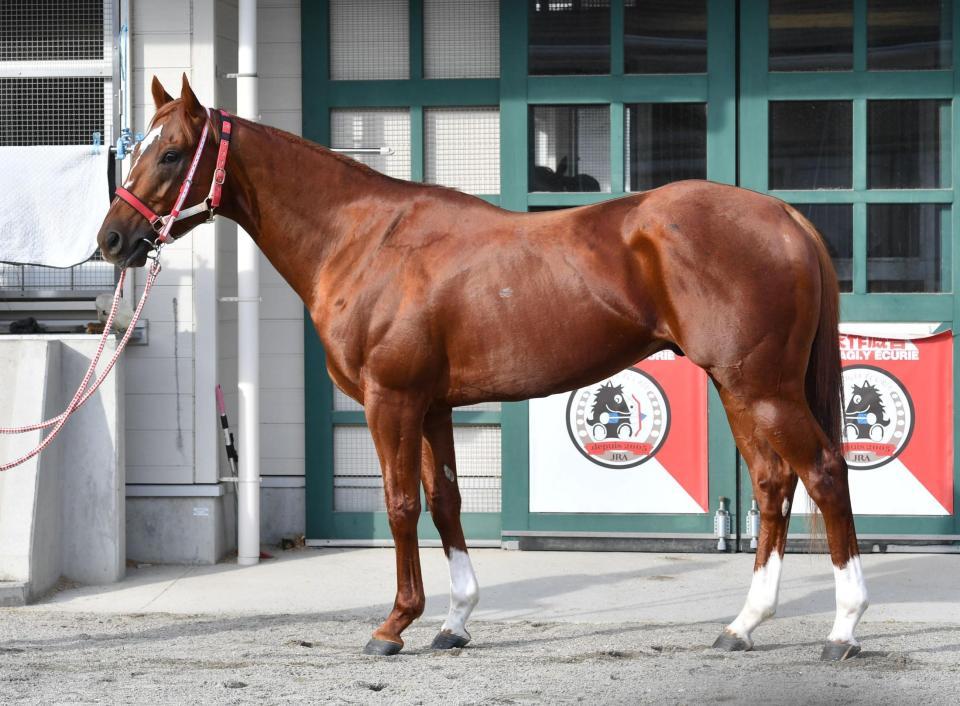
(774, 483)
(796, 436)
(439, 475)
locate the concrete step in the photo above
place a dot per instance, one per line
(13, 593)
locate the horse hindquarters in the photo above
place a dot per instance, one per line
(786, 424)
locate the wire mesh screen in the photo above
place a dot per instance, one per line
(369, 40)
(462, 148)
(358, 484)
(375, 127)
(53, 30)
(461, 39)
(342, 403)
(54, 110)
(56, 58)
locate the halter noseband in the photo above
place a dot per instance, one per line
(163, 224)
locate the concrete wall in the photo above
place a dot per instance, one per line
(61, 513)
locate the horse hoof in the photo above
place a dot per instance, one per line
(446, 640)
(838, 651)
(381, 647)
(728, 642)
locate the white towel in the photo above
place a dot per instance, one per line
(52, 202)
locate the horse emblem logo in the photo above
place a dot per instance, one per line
(620, 422)
(877, 417)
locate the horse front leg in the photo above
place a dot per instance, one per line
(396, 424)
(443, 498)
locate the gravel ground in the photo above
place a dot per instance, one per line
(54, 657)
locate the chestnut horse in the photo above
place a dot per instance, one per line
(426, 299)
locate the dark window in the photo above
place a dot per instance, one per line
(835, 223)
(904, 147)
(811, 35)
(665, 142)
(811, 145)
(571, 37)
(665, 37)
(570, 146)
(904, 247)
(909, 34)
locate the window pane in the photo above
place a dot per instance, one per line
(904, 148)
(369, 40)
(665, 37)
(909, 34)
(811, 35)
(374, 127)
(835, 223)
(811, 145)
(904, 247)
(664, 142)
(571, 148)
(569, 37)
(461, 148)
(461, 39)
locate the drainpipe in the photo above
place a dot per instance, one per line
(248, 319)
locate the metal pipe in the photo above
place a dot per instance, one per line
(126, 113)
(248, 318)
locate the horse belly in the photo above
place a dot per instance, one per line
(522, 352)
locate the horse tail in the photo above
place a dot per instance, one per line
(824, 380)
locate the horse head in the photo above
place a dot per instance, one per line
(160, 165)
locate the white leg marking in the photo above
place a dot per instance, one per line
(464, 593)
(761, 599)
(852, 600)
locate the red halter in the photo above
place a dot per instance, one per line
(162, 224)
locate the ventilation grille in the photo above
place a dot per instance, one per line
(462, 148)
(369, 40)
(53, 111)
(95, 275)
(461, 39)
(374, 127)
(54, 30)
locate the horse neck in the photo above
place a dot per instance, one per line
(290, 196)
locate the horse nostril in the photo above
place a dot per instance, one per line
(114, 241)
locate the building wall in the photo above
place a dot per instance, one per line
(160, 376)
(165, 440)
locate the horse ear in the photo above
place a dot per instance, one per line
(189, 100)
(160, 95)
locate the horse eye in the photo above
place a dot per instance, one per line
(169, 157)
(856, 398)
(618, 399)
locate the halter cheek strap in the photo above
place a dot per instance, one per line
(163, 224)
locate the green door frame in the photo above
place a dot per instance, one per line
(757, 87)
(519, 91)
(320, 96)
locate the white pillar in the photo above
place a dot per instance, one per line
(248, 319)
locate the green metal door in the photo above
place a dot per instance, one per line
(831, 133)
(519, 95)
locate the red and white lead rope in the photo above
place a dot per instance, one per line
(83, 393)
